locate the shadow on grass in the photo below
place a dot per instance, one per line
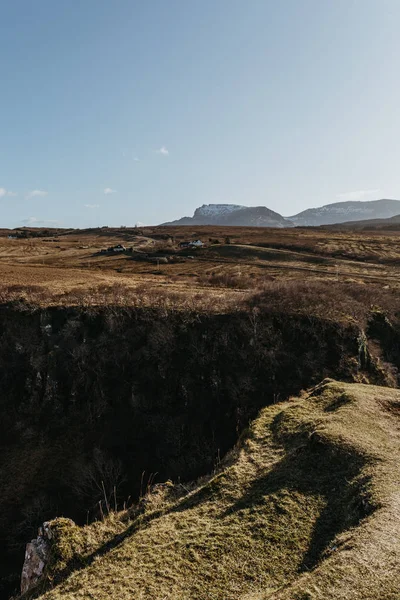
(315, 467)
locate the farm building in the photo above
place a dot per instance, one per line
(118, 248)
(191, 244)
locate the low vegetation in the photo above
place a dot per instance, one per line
(305, 506)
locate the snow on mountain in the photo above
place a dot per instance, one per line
(234, 214)
(216, 210)
(261, 216)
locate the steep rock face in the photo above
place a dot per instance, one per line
(234, 214)
(56, 544)
(216, 211)
(93, 403)
(341, 212)
(37, 556)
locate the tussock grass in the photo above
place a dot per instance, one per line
(306, 506)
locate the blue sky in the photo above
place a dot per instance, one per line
(114, 112)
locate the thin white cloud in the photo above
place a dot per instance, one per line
(136, 159)
(4, 193)
(37, 194)
(36, 221)
(92, 205)
(163, 151)
(108, 191)
(358, 194)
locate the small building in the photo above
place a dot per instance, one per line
(191, 244)
(118, 248)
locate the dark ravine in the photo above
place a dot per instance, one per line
(105, 395)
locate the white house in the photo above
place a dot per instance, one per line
(118, 248)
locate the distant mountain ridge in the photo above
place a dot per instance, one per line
(261, 216)
(341, 212)
(234, 214)
(390, 223)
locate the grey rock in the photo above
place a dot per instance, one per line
(37, 557)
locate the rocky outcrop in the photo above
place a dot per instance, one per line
(37, 556)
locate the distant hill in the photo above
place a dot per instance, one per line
(234, 214)
(392, 223)
(341, 212)
(261, 216)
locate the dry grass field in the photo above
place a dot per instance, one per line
(68, 267)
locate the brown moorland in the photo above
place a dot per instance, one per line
(67, 266)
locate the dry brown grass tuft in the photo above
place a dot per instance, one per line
(332, 300)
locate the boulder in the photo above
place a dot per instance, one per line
(37, 556)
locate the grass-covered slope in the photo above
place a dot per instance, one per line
(306, 507)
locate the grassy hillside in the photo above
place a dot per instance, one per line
(305, 507)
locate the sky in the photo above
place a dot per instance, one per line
(114, 112)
